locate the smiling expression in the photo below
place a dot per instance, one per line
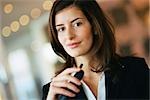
(74, 31)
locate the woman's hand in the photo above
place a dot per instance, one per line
(62, 82)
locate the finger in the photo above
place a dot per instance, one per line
(62, 91)
(70, 70)
(68, 78)
(67, 85)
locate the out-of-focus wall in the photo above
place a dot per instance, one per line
(131, 22)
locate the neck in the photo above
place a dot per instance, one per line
(87, 62)
(82, 60)
(90, 64)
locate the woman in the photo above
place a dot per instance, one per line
(81, 34)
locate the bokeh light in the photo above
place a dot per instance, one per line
(47, 5)
(15, 26)
(24, 20)
(35, 13)
(8, 8)
(6, 31)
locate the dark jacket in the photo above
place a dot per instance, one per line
(128, 78)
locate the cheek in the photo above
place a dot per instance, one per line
(60, 38)
(88, 32)
(88, 35)
(89, 39)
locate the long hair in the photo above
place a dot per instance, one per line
(104, 45)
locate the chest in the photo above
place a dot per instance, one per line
(92, 82)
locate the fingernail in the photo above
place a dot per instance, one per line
(73, 95)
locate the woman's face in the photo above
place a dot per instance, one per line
(74, 31)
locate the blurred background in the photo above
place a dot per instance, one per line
(27, 61)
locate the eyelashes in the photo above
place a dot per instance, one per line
(61, 29)
(74, 25)
(77, 24)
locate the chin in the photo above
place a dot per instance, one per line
(74, 54)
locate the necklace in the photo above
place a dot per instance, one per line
(97, 68)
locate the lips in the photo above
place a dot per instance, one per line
(73, 45)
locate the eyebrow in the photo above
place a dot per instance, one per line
(71, 22)
(75, 19)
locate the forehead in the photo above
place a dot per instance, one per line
(69, 13)
(68, 8)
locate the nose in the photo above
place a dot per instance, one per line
(70, 33)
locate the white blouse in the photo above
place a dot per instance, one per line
(101, 89)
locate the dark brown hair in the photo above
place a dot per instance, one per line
(103, 38)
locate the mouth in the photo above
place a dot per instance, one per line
(73, 45)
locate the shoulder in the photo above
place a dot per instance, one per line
(135, 68)
(45, 90)
(135, 77)
(130, 59)
(130, 62)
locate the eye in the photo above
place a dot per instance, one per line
(77, 24)
(61, 29)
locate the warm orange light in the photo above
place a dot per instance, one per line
(8, 8)
(35, 13)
